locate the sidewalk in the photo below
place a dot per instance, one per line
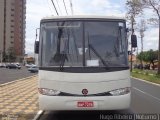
(20, 97)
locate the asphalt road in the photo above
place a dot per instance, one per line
(8, 75)
(145, 97)
(145, 100)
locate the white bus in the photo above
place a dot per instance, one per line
(83, 63)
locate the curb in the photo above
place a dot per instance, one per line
(17, 80)
(147, 81)
(38, 115)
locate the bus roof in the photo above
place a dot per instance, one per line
(82, 17)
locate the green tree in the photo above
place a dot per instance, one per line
(140, 56)
(4, 57)
(148, 56)
(11, 56)
(152, 56)
(155, 6)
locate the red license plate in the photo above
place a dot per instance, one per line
(85, 104)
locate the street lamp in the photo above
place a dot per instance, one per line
(132, 32)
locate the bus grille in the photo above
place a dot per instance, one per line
(89, 95)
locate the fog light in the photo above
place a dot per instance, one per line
(49, 92)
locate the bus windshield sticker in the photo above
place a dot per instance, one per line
(120, 24)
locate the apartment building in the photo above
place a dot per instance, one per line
(12, 27)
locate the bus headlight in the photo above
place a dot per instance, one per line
(120, 91)
(49, 92)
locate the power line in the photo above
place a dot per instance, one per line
(54, 7)
(65, 7)
(71, 5)
(59, 7)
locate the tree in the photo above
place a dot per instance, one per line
(140, 56)
(155, 6)
(11, 57)
(134, 7)
(148, 56)
(4, 57)
(133, 10)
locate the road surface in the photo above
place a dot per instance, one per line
(8, 75)
(145, 97)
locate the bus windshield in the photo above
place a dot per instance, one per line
(83, 44)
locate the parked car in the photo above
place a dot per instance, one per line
(2, 65)
(147, 66)
(18, 66)
(17, 63)
(29, 65)
(33, 69)
(140, 66)
(135, 66)
(14, 66)
(7, 64)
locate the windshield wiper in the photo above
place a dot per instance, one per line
(64, 54)
(57, 56)
(63, 58)
(98, 55)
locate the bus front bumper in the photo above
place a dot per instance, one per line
(70, 103)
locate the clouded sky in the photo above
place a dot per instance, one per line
(37, 9)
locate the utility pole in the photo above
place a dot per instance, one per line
(142, 35)
(132, 20)
(137, 54)
(159, 49)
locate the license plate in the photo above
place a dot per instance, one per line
(85, 104)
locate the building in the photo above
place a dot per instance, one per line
(29, 60)
(12, 27)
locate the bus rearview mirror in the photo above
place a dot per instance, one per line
(134, 41)
(36, 47)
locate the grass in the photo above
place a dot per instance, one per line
(146, 75)
(145, 71)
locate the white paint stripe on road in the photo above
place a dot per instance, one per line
(146, 93)
(146, 81)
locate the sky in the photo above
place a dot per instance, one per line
(37, 9)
